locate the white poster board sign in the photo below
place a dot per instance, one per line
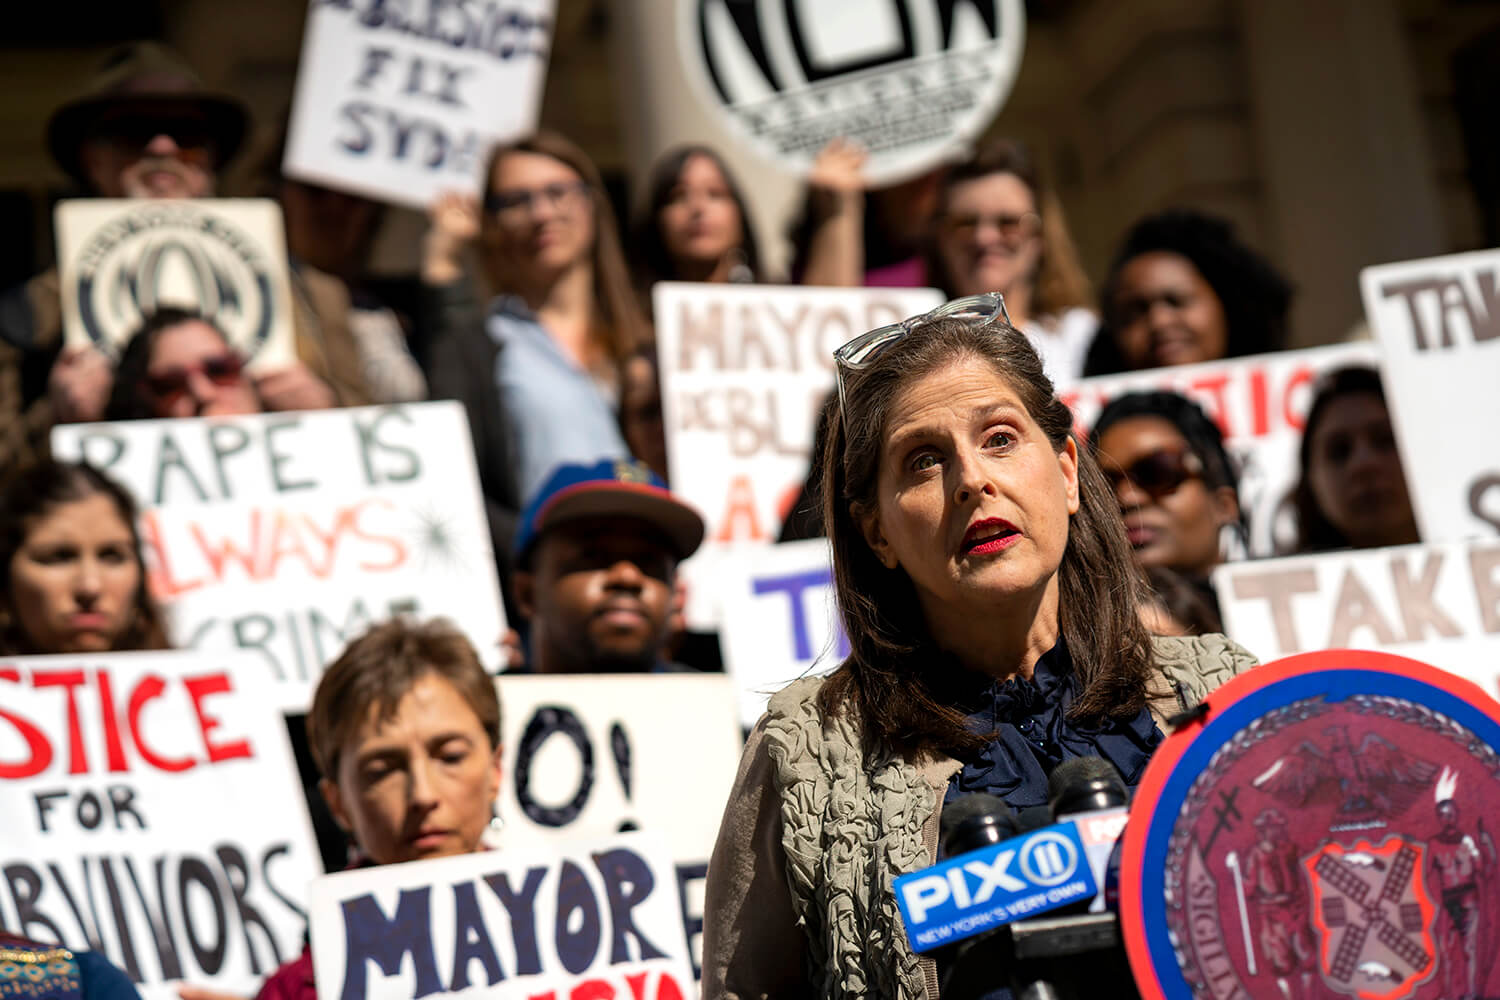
(288, 534)
(120, 259)
(588, 756)
(593, 919)
(152, 813)
(780, 620)
(1260, 404)
(402, 102)
(1436, 603)
(744, 372)
(913, 83)
(1439, 322)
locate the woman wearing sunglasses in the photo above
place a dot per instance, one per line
(992, 609)
(179, 364)
(539, 371)
(1175, 484)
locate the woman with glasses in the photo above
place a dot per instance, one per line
(1182, 290)
(992, 609)
(179, 364)
(539, 370)
(1352, 492)
(999, 228)
(1176, 486)
(71, 558)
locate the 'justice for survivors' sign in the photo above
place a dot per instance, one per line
(1439, 323)
(121, 259)
(152, 813)
(401, 101)
(744, 372)
(1260, 404)
(595, 920)
(1435, 603)
(288, 534)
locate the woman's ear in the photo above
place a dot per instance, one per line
(1226, 505)
(335, 804)
(869, 526)
(1067, 460)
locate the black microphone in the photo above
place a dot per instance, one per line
(974, 821)
(1085, 784)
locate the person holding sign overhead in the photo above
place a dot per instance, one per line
(145, 127)
(405, 730)
(74, 578)
(540, 371)
(992, 610)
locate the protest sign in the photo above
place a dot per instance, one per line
(121, 259)
(780, 621)
(1436, 603)
(402, 102)
(152, 813)
(913, 82)
(587, 756)
(1260, 404)
(593, 920)
(744, 372)
(1439, 322)
(288, 534)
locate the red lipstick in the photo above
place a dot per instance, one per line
(993, 534)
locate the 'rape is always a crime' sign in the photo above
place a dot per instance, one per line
(288, 534)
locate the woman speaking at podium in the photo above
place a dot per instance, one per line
(992, 609)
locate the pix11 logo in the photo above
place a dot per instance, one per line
(913, 81)
(983, 889)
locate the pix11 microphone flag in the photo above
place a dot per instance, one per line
(1324, 827)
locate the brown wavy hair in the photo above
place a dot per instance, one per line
(619, 322)
(1060, 283)
(893, 676)
(33, 494)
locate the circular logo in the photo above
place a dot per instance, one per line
(1049, 859)
(160, 254)
(1325, 832)
(913, 81)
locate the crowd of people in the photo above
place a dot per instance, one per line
(1013, 594)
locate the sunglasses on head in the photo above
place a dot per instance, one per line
(169, 384)
(1157, 474)
(981, 310)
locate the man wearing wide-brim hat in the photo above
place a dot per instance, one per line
(145, 127)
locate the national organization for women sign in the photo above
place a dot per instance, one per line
(911, 80)
(122, 259)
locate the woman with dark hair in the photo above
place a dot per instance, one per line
(1183, 289)
(1352, 492)
(74, 578)
(695, 225)
(993, 615)
(179, 364)
(540, 370)
(1175, 483)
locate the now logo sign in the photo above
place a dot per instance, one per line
(981, 890)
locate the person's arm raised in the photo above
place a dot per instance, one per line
(836, 197)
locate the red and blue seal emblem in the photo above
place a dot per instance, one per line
(1324, 828)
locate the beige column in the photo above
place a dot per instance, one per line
(1344, 155)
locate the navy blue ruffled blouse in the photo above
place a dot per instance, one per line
(1032, 733)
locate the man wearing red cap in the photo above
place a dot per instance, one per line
(145, 128)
